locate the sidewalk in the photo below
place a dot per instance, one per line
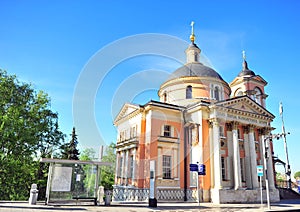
(286, 205)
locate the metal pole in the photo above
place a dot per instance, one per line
(197, 177)
(266, 169)
(261, 191)
(49, 179)
(288, 168)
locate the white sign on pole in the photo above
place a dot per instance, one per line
(260, 171)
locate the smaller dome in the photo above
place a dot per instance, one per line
(246, 71)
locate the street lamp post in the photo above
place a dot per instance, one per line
(287, 165)
(283, 134)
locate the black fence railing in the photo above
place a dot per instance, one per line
(284, 184)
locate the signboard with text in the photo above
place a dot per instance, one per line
(193, 167)
(200, 168)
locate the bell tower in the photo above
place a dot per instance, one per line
(249, 84)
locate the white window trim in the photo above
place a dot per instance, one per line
(220, 92)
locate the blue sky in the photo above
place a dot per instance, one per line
(50, 43)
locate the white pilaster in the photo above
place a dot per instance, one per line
(159, 162)
(217, 158)
(200, 143)
(211, 150)
(253, 163)
(175, 163)
(117, 165)
(247, 158)
(236, 159)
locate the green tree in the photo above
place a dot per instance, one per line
(69, 150)
(297, 175)
(88, 154)
(107, 175)
(28, 131)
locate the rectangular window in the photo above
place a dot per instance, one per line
(239, 133)
(167, 131)
(133, 132)
(223, 166)
(243, 176)
(255, 136)
(120, 166)
(120, 137)
(166, 167)
(123, 135)
(221, 131)
(131, 167)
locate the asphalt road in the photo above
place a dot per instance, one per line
(287, 205)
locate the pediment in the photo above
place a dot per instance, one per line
(126, 110)
(244, 104)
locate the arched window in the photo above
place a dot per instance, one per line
(165, 97)
(188, 92)
(238, 92)
(217, 93)
(257, 95)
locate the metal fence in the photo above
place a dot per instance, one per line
(127, 194)
(284, 184)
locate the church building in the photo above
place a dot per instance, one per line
(199, 119)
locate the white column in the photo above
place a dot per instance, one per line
(134, 164)
(270, 166)
(247, 158)
(217, 158)
(230, 153)
(253, 163)
(126, 167)
(236, 158)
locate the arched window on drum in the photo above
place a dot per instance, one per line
(188, 92)
(217, 93)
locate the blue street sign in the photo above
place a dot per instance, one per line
(201, 169)
(193, 167)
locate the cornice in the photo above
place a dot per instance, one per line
(194, 79)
